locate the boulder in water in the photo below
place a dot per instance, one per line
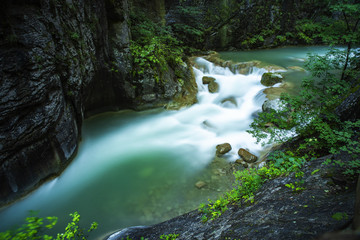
(269, 79)
(247, 156)
(207, 80)
(223, 148)
(212, 85)
(229, 101)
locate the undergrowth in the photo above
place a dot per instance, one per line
(249, 181)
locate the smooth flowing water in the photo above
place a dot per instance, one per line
(140, 168)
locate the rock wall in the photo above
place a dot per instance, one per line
(61, 61)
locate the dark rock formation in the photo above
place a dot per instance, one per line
(349, 109)
(278, 212)
(61, 61)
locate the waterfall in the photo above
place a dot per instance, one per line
(226, 114)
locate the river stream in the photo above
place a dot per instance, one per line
(140, 168)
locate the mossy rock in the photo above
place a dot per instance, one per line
(212, 85)
(207, 80)
(269, 79)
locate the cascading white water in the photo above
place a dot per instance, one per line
(228, 113)
(132, 165)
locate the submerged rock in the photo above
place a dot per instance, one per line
(200, 184)
(247, 156)
(242, 163)
(229, 101)
(269, 79)
(297, 68)
(276, 91)
(223, 148)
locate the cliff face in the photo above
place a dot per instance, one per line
(59, 62)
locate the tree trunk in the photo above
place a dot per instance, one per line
(346, 61)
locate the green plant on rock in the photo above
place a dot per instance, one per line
(285, 162)
(249, 181)
(296, 187)
(171, 236)
(338, 216)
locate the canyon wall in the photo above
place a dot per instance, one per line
(61, 61)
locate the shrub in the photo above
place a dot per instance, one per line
(249, 181)
(34, 228)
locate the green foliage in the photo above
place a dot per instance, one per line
(187, 28)
(315, 171)
(153, 46)
(345, 28)
(308, 31)
(34, 228)
(296, 187)
(286, 162)
(310, 115)
(73, 230)
(74, 36)
(248, 181)
(171, 236)
(340, 216)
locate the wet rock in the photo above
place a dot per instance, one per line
(200, 184)
(242, 163)
(207, 80)
(212, 85)
(269, 79)
(275, 92)
(223, 148)
(349, 109)
(247, 156)
(229, 101)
